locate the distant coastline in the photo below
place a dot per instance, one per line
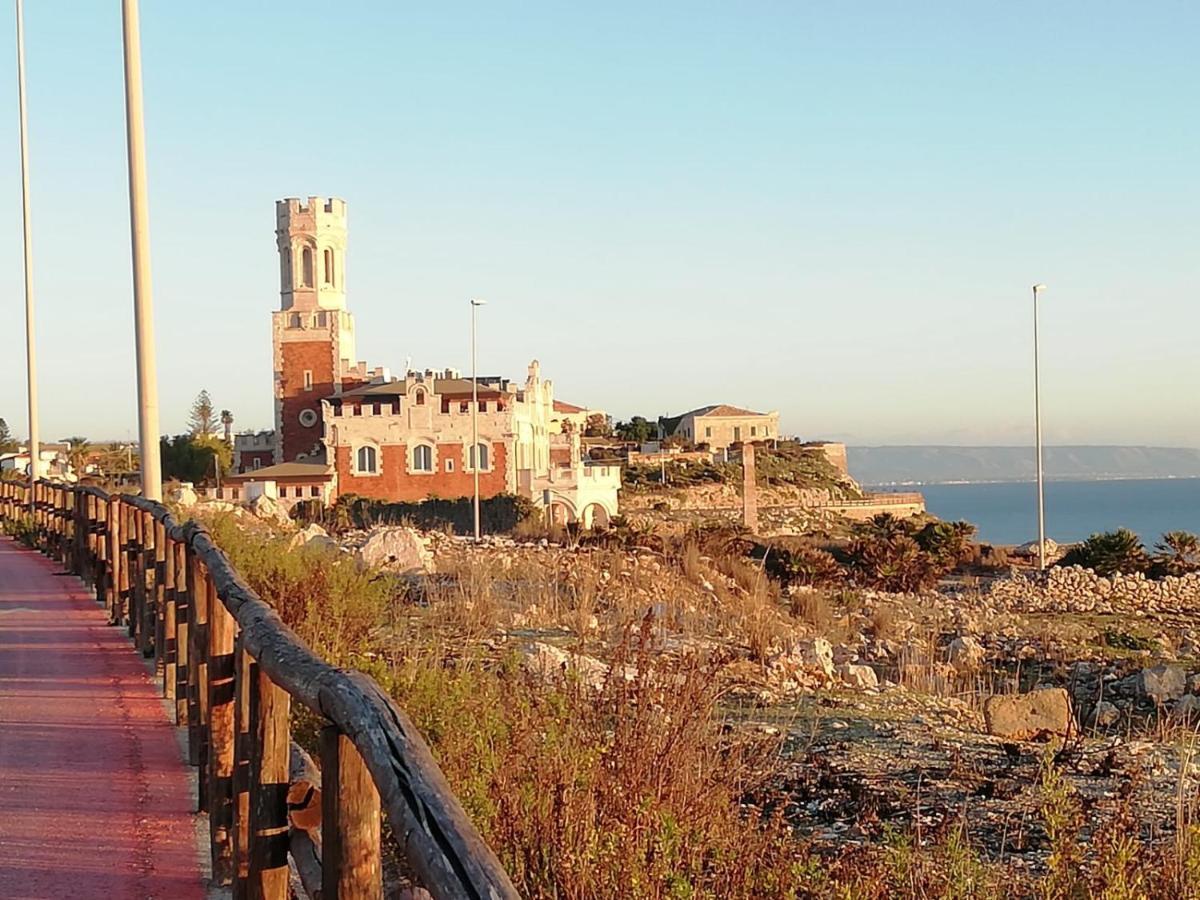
(885, 486)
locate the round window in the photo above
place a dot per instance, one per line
(308, 418)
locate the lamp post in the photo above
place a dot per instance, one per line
(35, 449)
(474, 456)
(1037, 418)
(139, 226)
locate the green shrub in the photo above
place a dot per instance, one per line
(497, 515)
(1109, 553)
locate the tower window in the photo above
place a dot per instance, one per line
(294, 320)
(419, 397)
(422, 458)
(367, 460)
(308, 384)
(285, 268)
(307, 267)
(329, 267)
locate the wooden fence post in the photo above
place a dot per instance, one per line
(270, 712)
(116, 558)
(165, 638)
(198, 677)
(183, 603)
(243, 740)
(161, 586)
(149, 581)
(350, 822)
(221, 627)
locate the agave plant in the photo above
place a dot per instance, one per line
(1110, 553)
(1177, 554)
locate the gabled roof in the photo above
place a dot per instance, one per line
(561, 407)
(723, 409)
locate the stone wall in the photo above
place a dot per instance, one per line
(1075, 589)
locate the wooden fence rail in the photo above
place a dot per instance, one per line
(231, 669)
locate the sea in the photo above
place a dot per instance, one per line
(1006, 512)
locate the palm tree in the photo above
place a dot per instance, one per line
(1177, 553)
(78, 454)
(227, 423)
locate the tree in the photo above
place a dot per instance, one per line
(597, 426)
(637, 429)
(78, 454)
(203, 421)
(194, 458)
(7, 443)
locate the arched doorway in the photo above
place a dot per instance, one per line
(595, 516)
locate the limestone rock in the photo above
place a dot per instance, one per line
(1025, 717)
(1105, 714)
(1187, 709)
(398, 548)
(966, 653)
(270, 510)
(184, 495)
(817, 655)
(549, 662)
(857, 675)
(1162, 683)
(313, 536)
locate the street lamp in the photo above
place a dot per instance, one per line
(139, 227)
(1037, 416)
(474, 454)
(35, 454)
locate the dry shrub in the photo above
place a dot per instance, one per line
(813, 608)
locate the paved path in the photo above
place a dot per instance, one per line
(94, 794)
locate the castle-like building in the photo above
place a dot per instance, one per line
(344, 428)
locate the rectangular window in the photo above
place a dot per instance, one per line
(308, 379)
(753, 430)
(737, 432)
(257, 463)
(314, 491)
(708, 432)
(236, 493)
(449, 465)
(464, 407)
(483, 406)
(283, 492)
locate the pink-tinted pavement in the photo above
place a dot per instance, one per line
(94, 794)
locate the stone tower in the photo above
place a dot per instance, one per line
(312, 333)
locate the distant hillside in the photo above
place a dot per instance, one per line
(906, 465)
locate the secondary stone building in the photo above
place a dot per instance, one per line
(722, 425)
(401, 438)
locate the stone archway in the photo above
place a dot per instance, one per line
(595, 516)
(561, 513)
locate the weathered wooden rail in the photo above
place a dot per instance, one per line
(231, 668)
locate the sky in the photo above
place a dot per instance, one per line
(832, 210)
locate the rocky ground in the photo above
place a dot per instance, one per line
(921, 712)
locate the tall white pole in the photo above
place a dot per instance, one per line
(474, 454)
(139, 226)
(35, 446)
(1037, 416)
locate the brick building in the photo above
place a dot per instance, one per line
(407, 438)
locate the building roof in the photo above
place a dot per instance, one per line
(560, 406)
(398, 387)
(723, 409)
(286, 470)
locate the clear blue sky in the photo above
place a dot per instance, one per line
(834, 210)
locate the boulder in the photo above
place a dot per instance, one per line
(1105, 714)
(816, 655)
(966, 653)
(270, 510)
(1162, 683)
(1030, 548)
(857, 675)
(1027, 717)
(184, 495)
(312, 536)
(397, 548)
(549, 662)
(1187, 709)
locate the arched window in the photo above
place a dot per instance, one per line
(294, 320)
(479, 451)
(367, 461)
(329, 267)
(419, 397)
(306, 262)
(422, 458)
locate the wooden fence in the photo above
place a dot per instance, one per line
(231, 668)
